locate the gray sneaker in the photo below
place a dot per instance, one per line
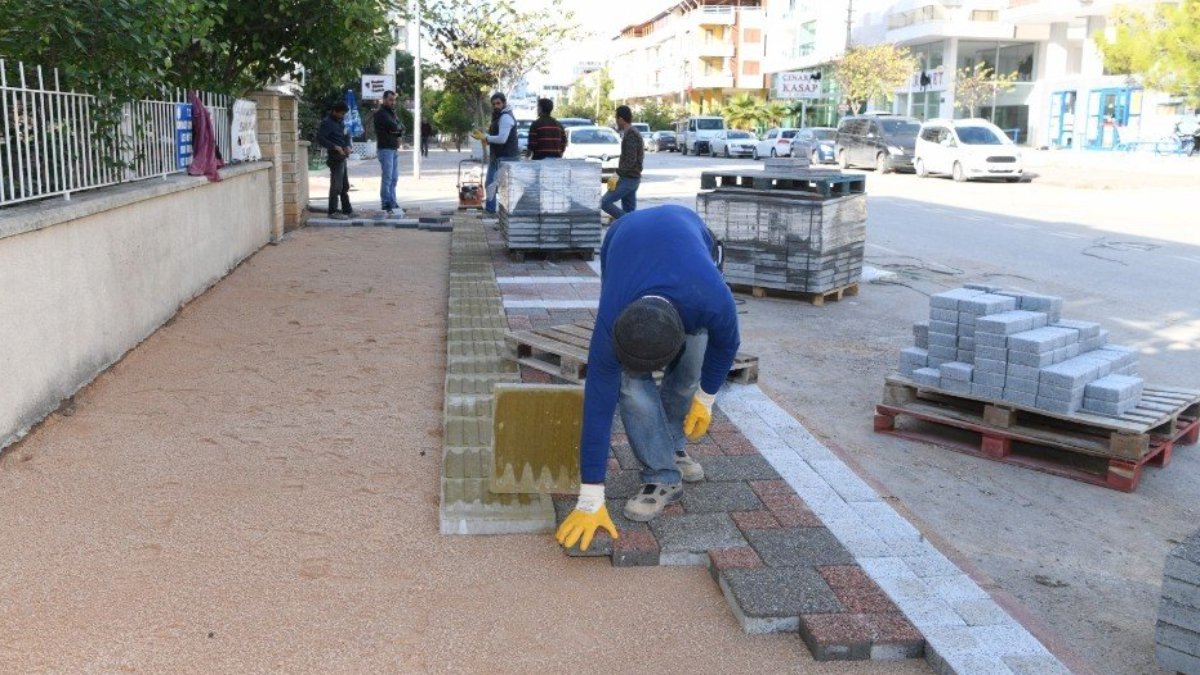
(690, 468)
(651, 501)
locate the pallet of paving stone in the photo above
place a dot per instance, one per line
(562, 351)
(550, 254)
(813, 184)
(1097, 449)
(816, 299)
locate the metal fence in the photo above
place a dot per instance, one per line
(52, 141)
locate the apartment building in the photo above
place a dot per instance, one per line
(1062, 96)
(697, 53)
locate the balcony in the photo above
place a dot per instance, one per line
(714, 16)
(712, 49)
(713, 81)
(1054, 11)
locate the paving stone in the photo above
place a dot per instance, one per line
(1177, 661)
(951, 299)
(686, 539)
(625, 457)
(722, 559)
(754, 520)
(980, 612)
(782, 501)
(622, 485)
(1024, 664)
(956, 588)
(720, 497)
(746, 467)
(987, 303)
(933, 613)
(636, 547)
(931, 564)
(845, 482)
(801, 546)
(857, 591)
(771, 600)
(929, 377)
(602, 544)
(765, 487)
(853, 637)
(1021, 385)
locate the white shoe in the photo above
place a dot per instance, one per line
(692, 471)
(651, 501)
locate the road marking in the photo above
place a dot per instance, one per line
(547, 280)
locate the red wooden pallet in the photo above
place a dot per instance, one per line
(1079, 453)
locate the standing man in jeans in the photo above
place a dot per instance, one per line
(501, 139)
(332, 136)
(629, 169)
(663, 306)
(388, 131)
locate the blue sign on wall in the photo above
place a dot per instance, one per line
(183, 135)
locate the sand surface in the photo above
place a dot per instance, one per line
(254, 489)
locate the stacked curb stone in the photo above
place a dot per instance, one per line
(475, 361)
(550, 204)
(989, 343)
(1177, 634)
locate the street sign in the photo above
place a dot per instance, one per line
(798, 84)
(373, 86)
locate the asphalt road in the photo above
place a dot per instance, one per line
(1120, 243)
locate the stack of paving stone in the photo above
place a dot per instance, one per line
(771, 164)
(1177, 635)
(551, 204)
(788, 240)
(985, 342)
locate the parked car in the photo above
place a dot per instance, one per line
(733, 143)
(644, 130)
(595, 144)
(884, 141)
(776, 143)
(966, 149)
(695, 134)
(816, 143)
(568, 122)
(663, 141)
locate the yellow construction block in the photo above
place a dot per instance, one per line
(536, 438)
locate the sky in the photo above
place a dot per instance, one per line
(602, 18)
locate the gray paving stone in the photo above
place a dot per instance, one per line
(1058, 406)
(990, 353)
(986, 378)
(1022, 385)
(1007, 323)
(772, 600)
(943, 340)
(686, 539)
(957, 371)
(1181, 592)
(955, 386)
(950, 299)
(942, 354)
(720, 497)
(987, 303)
(986, 365)
(622, 484)
(944, 315)
(1114, 388)
(929, 377)
(798, 547)
(1048, 392)
(1070, 374)
(1110, 408)
(1121, 355)
(915, 355)
(1189, 550)
(932, 613)
(1036, 341)
(986, 288)
(740, 467)
(1175, 614)
(1020, 397)
(1173, 660)
(625, 457)
(942, 328)
(965, 356)
(991, 340)
(980, 612)
(1030, 359)
(1034, 664)
(984, 391)
(921, 334)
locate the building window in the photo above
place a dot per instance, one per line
(750, 68)
(753, 35)
(985, 15)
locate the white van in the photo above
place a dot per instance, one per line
(697, 134)
(966, 149)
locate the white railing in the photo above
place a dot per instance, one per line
(49, 144)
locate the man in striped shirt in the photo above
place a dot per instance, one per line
(547, 138)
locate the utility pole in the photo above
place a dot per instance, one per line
(849, 21)
(417, 96)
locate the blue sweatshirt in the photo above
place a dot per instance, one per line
(657, 251)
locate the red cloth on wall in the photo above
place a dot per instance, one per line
(206, 157)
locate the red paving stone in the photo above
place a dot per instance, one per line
(535, 376)
(857, 591)
(613, 464)
(797, 518)
(833, 637)
(635, 547)
(675, 509)
(742, 557)
(765, 487)
(783, 501)
(704, 450)
(754, 520)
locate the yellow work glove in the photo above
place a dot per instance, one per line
(590, 514)
(612, 182)
(699, 417)
(477, 134)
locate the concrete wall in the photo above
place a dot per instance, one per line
(84, 281)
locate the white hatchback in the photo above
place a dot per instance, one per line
(965, 150)
(776, 143)
(595, 144)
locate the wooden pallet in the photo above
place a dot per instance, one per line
(553, 255)
(825, 185)
(562, 351)
(1107, 451)
(817, 299)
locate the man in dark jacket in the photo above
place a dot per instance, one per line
(629, 169)
(547, 138)
(388, 131)
(332, 136)
(426, 136)
(663, 306)
(502, 144)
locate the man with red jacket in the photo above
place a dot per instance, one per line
(547, 138)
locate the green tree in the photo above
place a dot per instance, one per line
(490, 43)
(978, 85)
(775, 112)
(744, 112)
(590, 97)
(1161, 47)
(453, 116)
(872, 72)
(659, 115)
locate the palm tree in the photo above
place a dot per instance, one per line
(743, 112)
(775, 112)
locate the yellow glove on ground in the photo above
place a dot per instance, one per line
(590, 514)
(699, 417)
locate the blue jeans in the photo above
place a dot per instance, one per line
(653, 415)
(389, 162)
(626, 192)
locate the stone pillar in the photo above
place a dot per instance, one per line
(293, 167)
(271, 143)
(302, 150)
(949, 77)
